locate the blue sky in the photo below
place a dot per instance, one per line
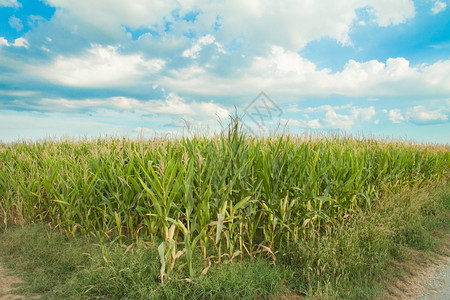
(376, 68)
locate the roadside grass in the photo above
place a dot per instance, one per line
(60, 268)
(43, 257)
(353, 259)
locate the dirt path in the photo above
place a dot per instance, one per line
(438, 287)
(8, 283)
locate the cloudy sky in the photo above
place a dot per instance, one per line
(114, 67)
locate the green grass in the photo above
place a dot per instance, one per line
(61, 268)
(349, 260)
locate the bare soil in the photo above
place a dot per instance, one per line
(438, 288)
(9, 283)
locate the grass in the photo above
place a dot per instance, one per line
(353, 259)
(58, 267)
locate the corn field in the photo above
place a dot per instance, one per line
(220, 197)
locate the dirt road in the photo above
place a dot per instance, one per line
(438, 287)
(8, 284)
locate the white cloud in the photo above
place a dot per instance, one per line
(438, 7)
(19, 42)
(397, 68)
(135, 13)
(3, 42)
(395, 116)
(284, 72)
(280, 73)
(421, 114)
(172, 105)
(282, 62)
(314, 124)
(347, 117)
(205, 40)
(321, 108)
(437, 74)
(297, 22)
(106, 17)
(170, 113)
(99, 67)
(10, 3)
(15, 23)
(366, 114)
(335, 120)
(390, 12)
(358, 76)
